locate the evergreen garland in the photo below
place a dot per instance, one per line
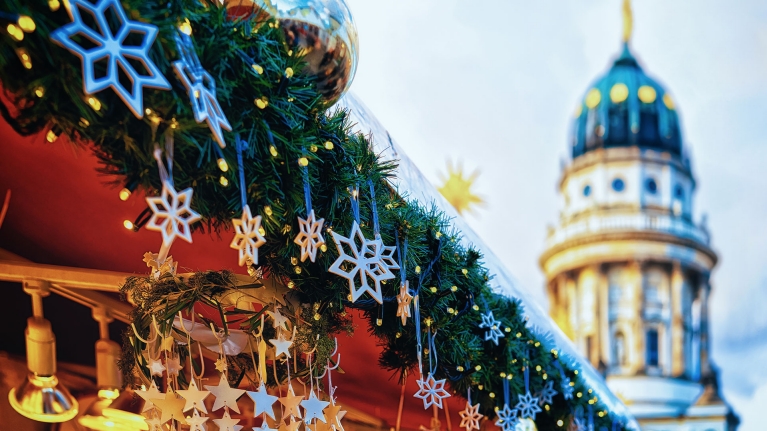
(451, 280)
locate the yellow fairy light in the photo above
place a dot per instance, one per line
(519, 334)
(289, 72)
(328, 145)
(601, 414)
(465, 271)
(128, 224)
(303, 161)
(398, 335)
(324, 248)
(576, 372)
(560, 423)
(545, 376)
(379, 322)
(619, 93)
(316, 316)
(459, 368)
(26, 23)
(84, 123)
(185, 27)
(259, 70)
(507, 329)
(453, 288)
(51, 136)
(475, 307)
(262, 231)
(95, 103)
(492, 394)
(223, 165)
(273, 151)
(668, 101)
(294, 261)
(39, 91)
(538, 368)
(173, 123)
(291, 285)
(547, 407)
(15, 32)
(268, 210)
(417, 269)
(54, 5)
(478, 367)
(510, 376)
(262, 103)
(450, 310)
(26, 60)
(480, 387)
(124, 194)
(433, 289)
(579, 394)
(503, 374)
(147, 111)
(224, 182)
(312, 148)
(290, 52)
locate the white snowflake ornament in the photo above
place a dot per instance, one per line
(171, 214)
(247, 236)
(364, 264)
(493, 326)
(546, 396)
(310, 236)
(567, 389)
(431, 391)
(507, 418)
(527, 406)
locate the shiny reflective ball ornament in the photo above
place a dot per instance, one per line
(321, 30)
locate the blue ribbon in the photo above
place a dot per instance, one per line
(355, 202)
(241, 145)
(374, 208)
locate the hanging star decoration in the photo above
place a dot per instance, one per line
(310, 236)
(404, 298)
(493, 327)
(173, 366)
(221, 365)
(196, 422)
(225, 394)
(291, 401)
(194, 397)
(226, 423)
(201, 88)
(171, 407)
(148, 395)
(333, 415)
(158, 268)
(546, 396)
(156, 367)
(171, 214)
(154, 423)
(527, 406)
(290, 426)
(470, 417)
(456, 189)
(264, 427)
(507, 418)
(247, 237)
(431, 391)
(278, 320)
(364, 262)
(104, 43)
(567, 389)
(281, 345)
(313, 408)
(263, 401)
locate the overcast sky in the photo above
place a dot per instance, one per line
(495, 84)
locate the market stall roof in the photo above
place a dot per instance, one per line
(62, 212)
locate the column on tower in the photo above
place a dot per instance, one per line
(678, 341)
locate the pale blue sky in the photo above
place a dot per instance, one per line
(495, 83)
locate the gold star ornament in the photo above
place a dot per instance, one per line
(310, 236)
(456, 189)
(171, 407)
(247, 236)
(404, 298)
(470, 417)
(225, 395)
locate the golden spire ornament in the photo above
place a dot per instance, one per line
(628, 21)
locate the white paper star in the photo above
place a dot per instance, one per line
(225, 394)
(156, 367)
(493, 327)
(201, 88)
(527, 406)
(171, 406)
(171, 214)
(546, 396)
(281, 345)
(194, 397)
(263, 401)
(507, 418)
(173, 366)
(278, 320)
(365, 261)
(111, 46)
(431, 391)
(310, 236)
(470, 417)
(313, 408)
(148, 394)
(226, 423)
(247, 238)
(403, 302)
(196, 422)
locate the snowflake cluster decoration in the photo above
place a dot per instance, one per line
(493, 327)
(527, 406)
(247, 237)
(310, 236)
(111, 46)
(470, 417)
(370, 261)
(546, 396)
(507, 418)
(431, 391)
(201, 88)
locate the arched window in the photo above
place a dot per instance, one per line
(619, 349)
(651, 344)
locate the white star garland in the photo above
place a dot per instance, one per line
(493, 327)
(111, 46)
(247, 237)
(201, 88)
(310, 236)
(367, 261)
(431, 391)
(171, 214)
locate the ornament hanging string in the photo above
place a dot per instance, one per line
(591, 417)
(402, 255)
(166, 176)
(527, 374)
(307, 189)
(374, 210)
(241, 145)
(432, 351)
(355, 192)
(506, 395)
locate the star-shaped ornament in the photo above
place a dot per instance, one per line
(313, 408)
(278, 320)
(507, 418)
(290, 426)
(201, 88)
(333, 416)
(221, 365)
(470, 417)
(173, 366)
(431, 391)
(318, 426)
(247, 238)
(310, 236)
(291, 401)
(363, 264)
(404, 298)
(156, 367)
(263, 401)
(194, 397)
(160, 268)
(109, 47)
(226, 423)
(527, 406)
(281, 345)
(171, 407)
(196, 422)
(154, 423)
(171, 214)
(225, 395)
(148, 395)
(567, 389)
(493, 327)
(264, 427)
(546, 396)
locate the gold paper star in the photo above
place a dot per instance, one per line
(194, 396)
(457, 190)
(156, 367)
(174, 366)
(291, 426)
(225, 394)
(221, 365)
(403, 302)
(226, 423)
(197, 422)
(309, 236)
(171, 407)
(148, 394)
(331, 416)
(291, 402)
(247, 238)
(470, 417)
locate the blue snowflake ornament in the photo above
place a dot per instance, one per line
(546, 396)
(507, 418)
(493, 327)
(112, 49)
(567, 390)
(527, 406)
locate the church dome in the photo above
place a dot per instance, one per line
(626, 108)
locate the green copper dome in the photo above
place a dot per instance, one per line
(626, 108)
